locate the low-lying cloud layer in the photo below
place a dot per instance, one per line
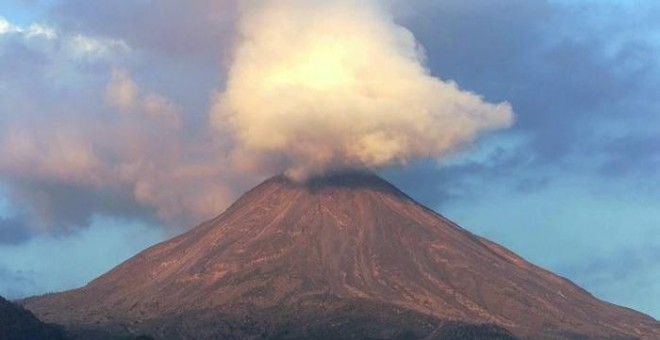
(317, 86)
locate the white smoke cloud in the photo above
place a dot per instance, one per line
(316, 86)
(313, 87)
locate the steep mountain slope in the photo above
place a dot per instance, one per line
(287, 260)
(17, 323)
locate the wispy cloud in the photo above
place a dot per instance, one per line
(76, 45)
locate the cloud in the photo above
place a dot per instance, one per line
(320, 86)
(80, 137)
(563, 66)
(77, 46)
(61, 154)
(6, 27)
(104, 120)
(37, 30)
(13, 230)
(82, 46)
(130, 120)
(121, 92)
(65, 171)
(580, 76)
(204, 29)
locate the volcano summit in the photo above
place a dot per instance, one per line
(342, 256)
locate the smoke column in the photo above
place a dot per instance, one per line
(317, 86)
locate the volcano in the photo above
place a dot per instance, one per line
(341, 256)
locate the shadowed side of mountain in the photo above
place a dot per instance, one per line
(319, 318)
(17, 323)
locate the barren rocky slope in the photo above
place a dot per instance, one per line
(294, 260)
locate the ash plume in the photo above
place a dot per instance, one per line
(317, 86)
(311, 87)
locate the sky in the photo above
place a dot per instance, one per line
(106, 144)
